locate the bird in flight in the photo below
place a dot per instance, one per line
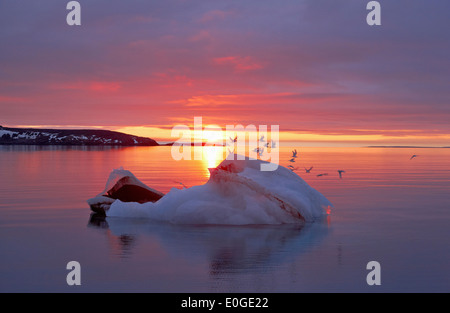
(292, 168)
(340, 173)
(324, 174)
(294, 153)
(181, 184)
(234, 140)
(414, 156)
(259, 151)
(308, 170)
(271, 144)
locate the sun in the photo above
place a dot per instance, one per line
(213, 135)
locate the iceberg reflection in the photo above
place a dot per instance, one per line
(227, 249)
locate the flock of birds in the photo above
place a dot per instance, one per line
(293, 158)
(270, 144)
(260, 149)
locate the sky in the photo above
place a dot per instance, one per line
(313, 67)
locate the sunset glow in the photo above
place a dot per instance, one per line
(237, 147)
(150, 68)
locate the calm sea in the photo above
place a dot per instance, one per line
(388, 209)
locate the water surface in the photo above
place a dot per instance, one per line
(387, 208)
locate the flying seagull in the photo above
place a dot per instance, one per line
(292, 168)
(292, 160)
(234, 140)
(259, 151)
(181, 184)
(340, 173)
(324, 174)
(294, 153)
(271, 144)
(308, 170)
(414, 156)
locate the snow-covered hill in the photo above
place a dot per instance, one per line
(30, 136)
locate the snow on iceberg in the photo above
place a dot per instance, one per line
(123, 185)
(237, 193)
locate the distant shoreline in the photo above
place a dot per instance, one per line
(96, 137)
(408, 147)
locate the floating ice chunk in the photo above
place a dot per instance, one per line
(123, 185)
(100, 203)
(237, 193)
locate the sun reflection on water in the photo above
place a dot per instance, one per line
(211, 157)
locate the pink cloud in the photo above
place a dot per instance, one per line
(240, 64)
(11, 99)
(202, 35)
(104, 86)
(96, 86)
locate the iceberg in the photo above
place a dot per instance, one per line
(237, 193)
(123, 185)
